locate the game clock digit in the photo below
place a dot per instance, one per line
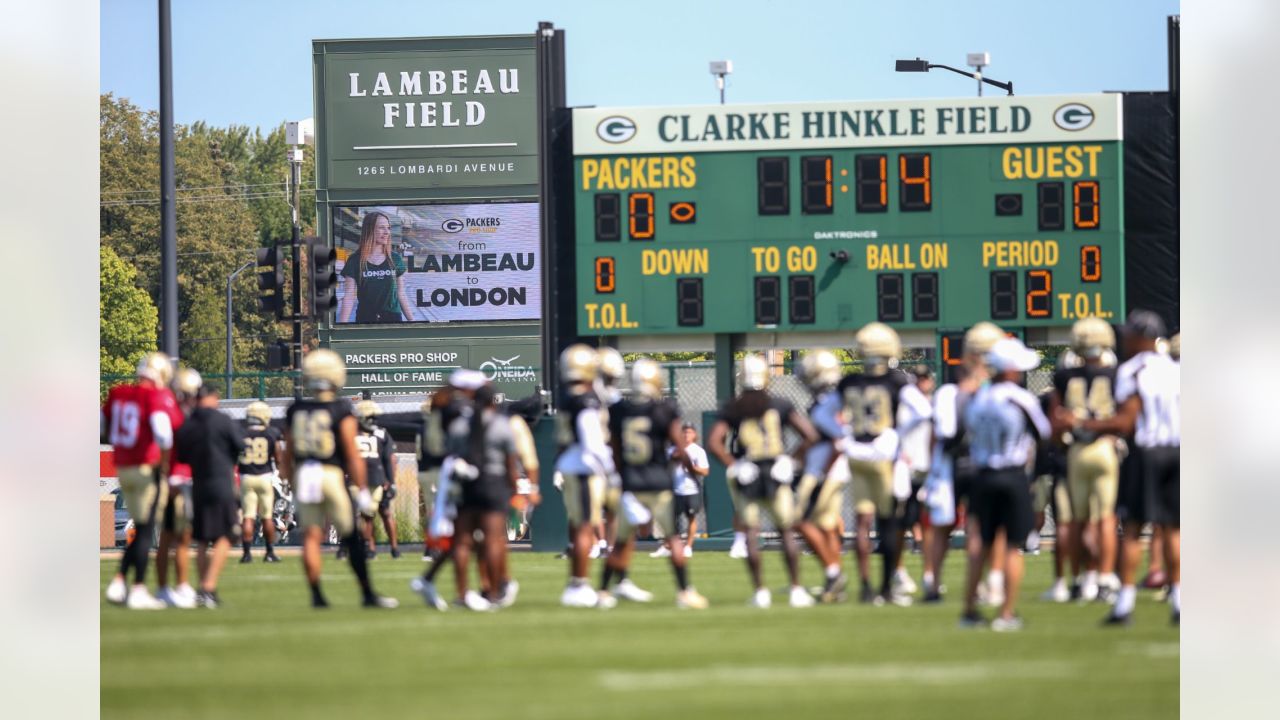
(921, 214)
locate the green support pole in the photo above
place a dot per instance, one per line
(549, 524)
(719, 507)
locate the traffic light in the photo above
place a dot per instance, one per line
(324, 278)
(270, 281)
(278, 356)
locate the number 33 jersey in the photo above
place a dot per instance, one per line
(313, 427)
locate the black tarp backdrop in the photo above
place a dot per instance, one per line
(1151, 204)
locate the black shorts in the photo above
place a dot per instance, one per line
(963, 474)
(688, 506)
(177, 509)
(764, 487)
(484, 496)
(1001, 499)
(212, 520)
(1150, 486)
(910, 508)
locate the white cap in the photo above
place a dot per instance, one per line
(465, 379)
(1011, 354)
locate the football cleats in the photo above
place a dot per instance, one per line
(1175, 346)
(1091, 336)
(257, 413)
(980, 338)
(366, 411)
(186, 384)
(646, 378)
(579, 363)
(820, 369)
(156, 367)
(878, 341)
(323, 372)
(753, 374)
(612, 367)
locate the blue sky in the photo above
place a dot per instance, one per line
(249, 62)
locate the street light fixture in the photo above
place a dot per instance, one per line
(721, 68)
(918, 65)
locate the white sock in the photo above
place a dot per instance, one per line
(579, 582)
(1060, 583)
(739, 538)
(833, 570)
(927, 578)
(1110, 580)
(1125, 600)
(1091, 577)
(995, 579)
(902, 574)
(1175, 597)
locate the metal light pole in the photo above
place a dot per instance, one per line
(721, 68)
(919, 65)
(168, 213)
(978, 61)
(297, 133)
(231, 279)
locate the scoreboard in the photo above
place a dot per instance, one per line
(924, 214)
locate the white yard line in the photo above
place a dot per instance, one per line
(879, 673)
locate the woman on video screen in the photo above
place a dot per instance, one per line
(371, 285)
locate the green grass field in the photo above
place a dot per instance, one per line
(265, 653)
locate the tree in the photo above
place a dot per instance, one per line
(126, 313)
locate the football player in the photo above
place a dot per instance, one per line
(378, 450)
(137, 419)
(585, 462)
(1082, 391)
(1049, 489)
(640, 428)
(761, 471)
(258, 467)
(1149, 397)
(819, 494)
(916, 457)
(1004, 424)
(872, 399)
(175, 503)
(612, 368)
(950, 472)
(320, 443)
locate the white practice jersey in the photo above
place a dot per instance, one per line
(685, 482)
(1003, 422)
(1156, 379)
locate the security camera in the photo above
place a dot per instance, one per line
(840, 256)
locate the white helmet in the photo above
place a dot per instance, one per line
(612, 366)
(820, 369)
(323, 372)
(646, 378)
(878, 341)
(257, 413)
(156, 367)
(753, 374)
(579, 363)
(980, 338)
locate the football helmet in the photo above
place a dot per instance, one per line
(257, 413)
(753, 374)
(1068, 359)
(366, 411)
(980, 338)
(646, 378)
(323, 372)
(156, 367)
(579, 363)
(1091, 336)
(186, 384)
(878, 341)
(820, 369)
(612, 367)
(1175, 346)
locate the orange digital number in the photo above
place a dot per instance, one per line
(923, 179)
(1090, 263)
(640, 209)
(949, 356)
(1085, 194)
(1039, 289)
(606, 278)
(884, 180)
(828, 182)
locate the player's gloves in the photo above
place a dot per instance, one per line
(744, 471)
(364, 503)
(558, 481)
(464, 470)
(389, 492)
(783, 470)
(615, 480)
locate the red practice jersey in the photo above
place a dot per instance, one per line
(128, 413)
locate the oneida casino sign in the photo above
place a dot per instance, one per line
(928, 214)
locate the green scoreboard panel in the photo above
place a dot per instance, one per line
(923, 214)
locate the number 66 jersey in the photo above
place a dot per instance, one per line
(313, 427)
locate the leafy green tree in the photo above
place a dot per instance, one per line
(127, 316)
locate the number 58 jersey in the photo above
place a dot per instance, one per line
(313, 427)
(259, 456)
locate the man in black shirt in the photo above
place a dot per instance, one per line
(210, 443)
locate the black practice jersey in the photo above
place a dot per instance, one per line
(573, 404)
(210, 442)
(871, 402)
(1088, 391)
(313, 426)
(259, 456)
(757, 421)
(643, 428)
(378, 450)
(433, 440)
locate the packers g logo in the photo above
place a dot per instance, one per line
(452, 225)
(616, 129)
(1073, 117)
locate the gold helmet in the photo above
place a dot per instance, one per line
(186, 383)
(156, 367)
(646, 378)
(1175, 346)
(366, 411)
(980, 338)
(1091, 336)
(612, 367)
(257, 413)
(323, 372)
(753, 374)
(878, 341)
(820, 369)
(579, 363)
